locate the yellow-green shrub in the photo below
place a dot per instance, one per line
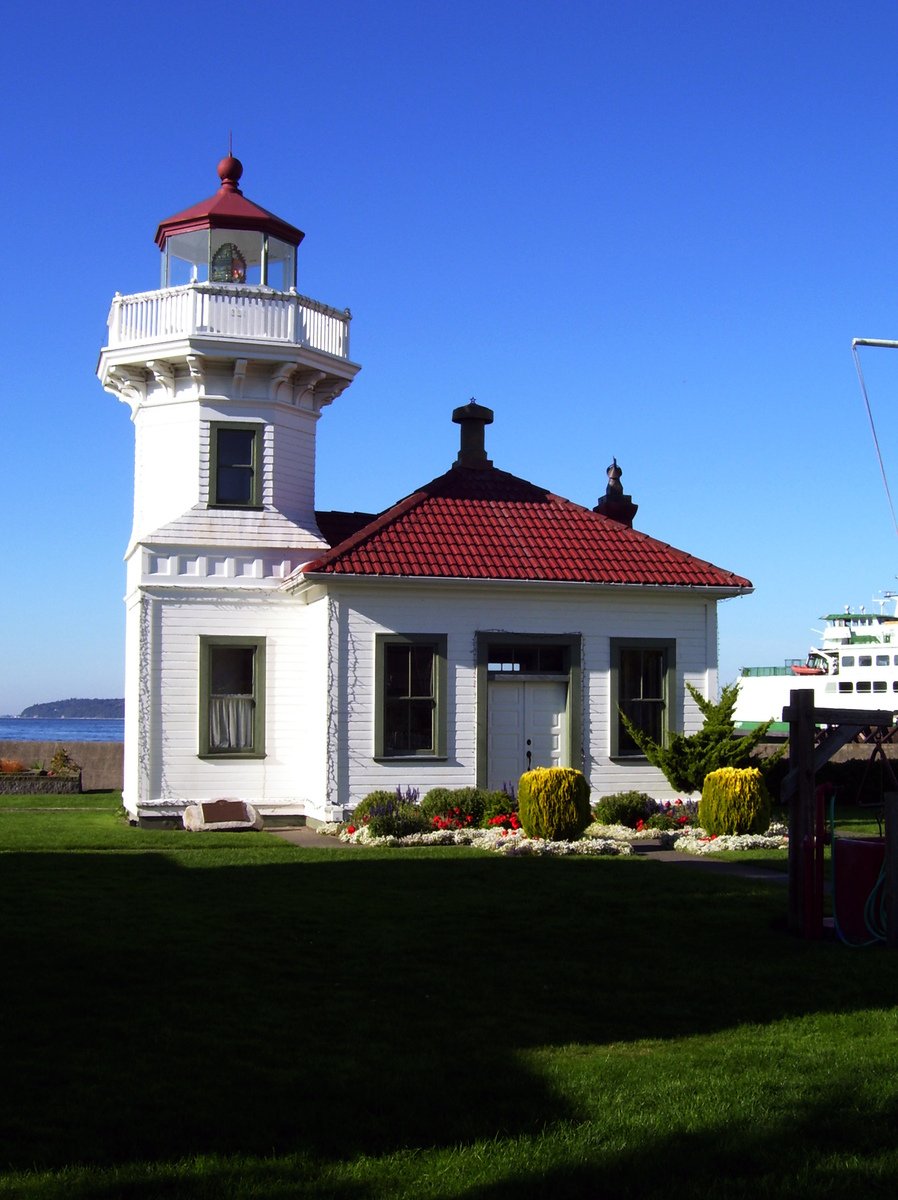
(734, 800)
(553, 803)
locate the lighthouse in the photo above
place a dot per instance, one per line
(226, 369)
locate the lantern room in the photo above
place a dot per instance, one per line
(228, 239)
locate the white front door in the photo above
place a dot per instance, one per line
(526, 727)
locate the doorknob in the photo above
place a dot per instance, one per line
(529, 754)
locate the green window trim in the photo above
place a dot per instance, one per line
(571, 643)
(396, 715)
(254, 663)
(235, 464)
(666, 701)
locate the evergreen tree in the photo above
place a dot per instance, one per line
(688, 758)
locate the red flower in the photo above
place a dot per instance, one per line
(350, 828)
(640, 825)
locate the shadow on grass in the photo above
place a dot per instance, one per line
(364, 1005)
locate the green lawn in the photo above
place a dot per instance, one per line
(230, 1016)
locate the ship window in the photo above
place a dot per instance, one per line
(846, 686)
(895, 685)
(879, 685)
(882, 660)
(863, 685)
(895, 660)
(865, 660)
(847, 660)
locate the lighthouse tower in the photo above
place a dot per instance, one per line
(226, 369)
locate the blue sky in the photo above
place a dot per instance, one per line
(640, 229)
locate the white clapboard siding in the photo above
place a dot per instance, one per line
(598, 615)
(166, 694)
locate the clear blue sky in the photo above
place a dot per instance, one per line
(639, 229)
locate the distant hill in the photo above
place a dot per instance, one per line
(106, 710)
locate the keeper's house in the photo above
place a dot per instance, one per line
(298, 659)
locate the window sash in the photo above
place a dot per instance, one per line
(235, 456)
(641, 689)
(232, 696)
(410, 708)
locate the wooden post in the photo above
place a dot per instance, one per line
(891, 865)
(804, 903)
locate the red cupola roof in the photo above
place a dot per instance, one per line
(228, 209)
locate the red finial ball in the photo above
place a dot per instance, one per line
(229, 171)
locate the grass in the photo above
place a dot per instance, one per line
(205, 1015)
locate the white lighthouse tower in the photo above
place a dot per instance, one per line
(226, 370)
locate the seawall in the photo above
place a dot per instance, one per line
(102, 763)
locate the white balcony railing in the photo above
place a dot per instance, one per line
(222, 310)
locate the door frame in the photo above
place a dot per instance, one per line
(574, 712)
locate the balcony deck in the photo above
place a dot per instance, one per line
(223, 310)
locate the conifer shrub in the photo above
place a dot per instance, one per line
(553, 803)
(686, 759)
(734, 800)
(624, 808)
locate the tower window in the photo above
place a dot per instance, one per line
(235, 455)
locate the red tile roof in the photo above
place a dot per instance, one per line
(482, 523)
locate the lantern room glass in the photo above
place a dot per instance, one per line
(269, 262)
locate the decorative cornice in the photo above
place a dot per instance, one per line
(164, 374)
(196, 365)
(239, 377)
(129, 384)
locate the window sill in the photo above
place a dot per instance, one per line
(215, 755)
(239, 507)
(627, 758)
(392, 758)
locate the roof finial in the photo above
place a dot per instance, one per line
(614, 503)
(230, 169)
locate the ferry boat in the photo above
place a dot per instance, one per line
(855, 666)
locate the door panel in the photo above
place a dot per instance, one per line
(525, 715)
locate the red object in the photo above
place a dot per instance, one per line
(857, 863)
(482, 523)
(228, 209)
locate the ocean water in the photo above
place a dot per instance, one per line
(70, 729)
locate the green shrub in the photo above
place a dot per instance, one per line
(734, 800)
(553, 803)
(361, 814)
(398, 819)
(443, 802)
(624, 808)
(497, 804)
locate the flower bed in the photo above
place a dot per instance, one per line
(37, 783)
(692, 839)
(62, 778)
(512, 842)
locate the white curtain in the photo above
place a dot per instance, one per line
(231, 723)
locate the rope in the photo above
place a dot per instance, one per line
(882, 470)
